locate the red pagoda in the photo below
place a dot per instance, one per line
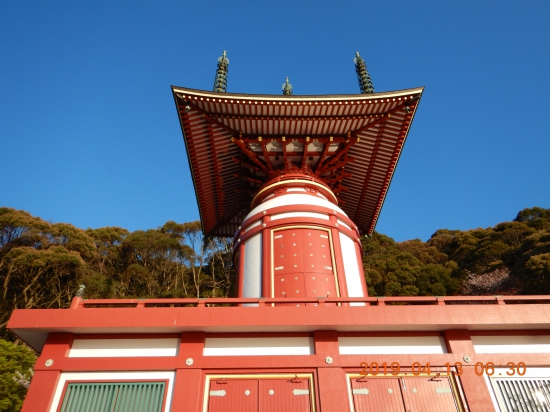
(296, 181)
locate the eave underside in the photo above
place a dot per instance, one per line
(236, 142)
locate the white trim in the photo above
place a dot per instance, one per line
(391, 345)
(300, 214)
(532, 372)
(123, 348)
(351, 269)
(294, 199)
(350, 396)
(492, 393)
(512, 344)
(271, 98)
(113, 376)
(344, 224)
(252, 225)
(258, 346)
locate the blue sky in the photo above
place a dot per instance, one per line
(89, 133)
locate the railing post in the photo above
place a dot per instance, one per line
(75, 303)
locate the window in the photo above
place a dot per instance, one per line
(114, 397)
(522, 394)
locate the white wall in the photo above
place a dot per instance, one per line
(351, 268)
(258, 346)
(512, 344)
(122, 348)
(392, 345)
(253, 267)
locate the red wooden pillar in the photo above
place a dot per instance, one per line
(188, 382)
(333, 388)
(187, 391)
(57, 346)
(46, 374)
(40, 394)
(475, 388)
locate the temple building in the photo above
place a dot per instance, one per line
(296, 181)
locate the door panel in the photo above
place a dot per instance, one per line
(289, 285)
(286, 252)
(239, 395)
(288, 395)
(429, 395)
(317, 256)
(259, 395)
(305, 254)
(288, 267)
(379, 395)
(319, 284)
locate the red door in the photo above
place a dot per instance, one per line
(429, 395)
(379, 395)
(288, 266)
(421, 394)
(302, 264)
(263, 395)
(238, 395)
(288, 395)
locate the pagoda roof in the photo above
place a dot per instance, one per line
(236, 142)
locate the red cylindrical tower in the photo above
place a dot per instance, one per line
(297, 242)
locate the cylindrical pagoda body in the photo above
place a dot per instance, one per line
(296, 242)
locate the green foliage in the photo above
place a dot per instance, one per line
(537, 273)
(407, 269)
(535, 217)
(511, 257)
(16, 364)
(42, 264)
(39, 262)
(532, 265)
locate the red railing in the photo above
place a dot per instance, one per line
(79, 303)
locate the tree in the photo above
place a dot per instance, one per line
(190, 235)
(37, 278)
(16, 370)
(221, 277)
(155, 263)
(536, 217)
(537, 274)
